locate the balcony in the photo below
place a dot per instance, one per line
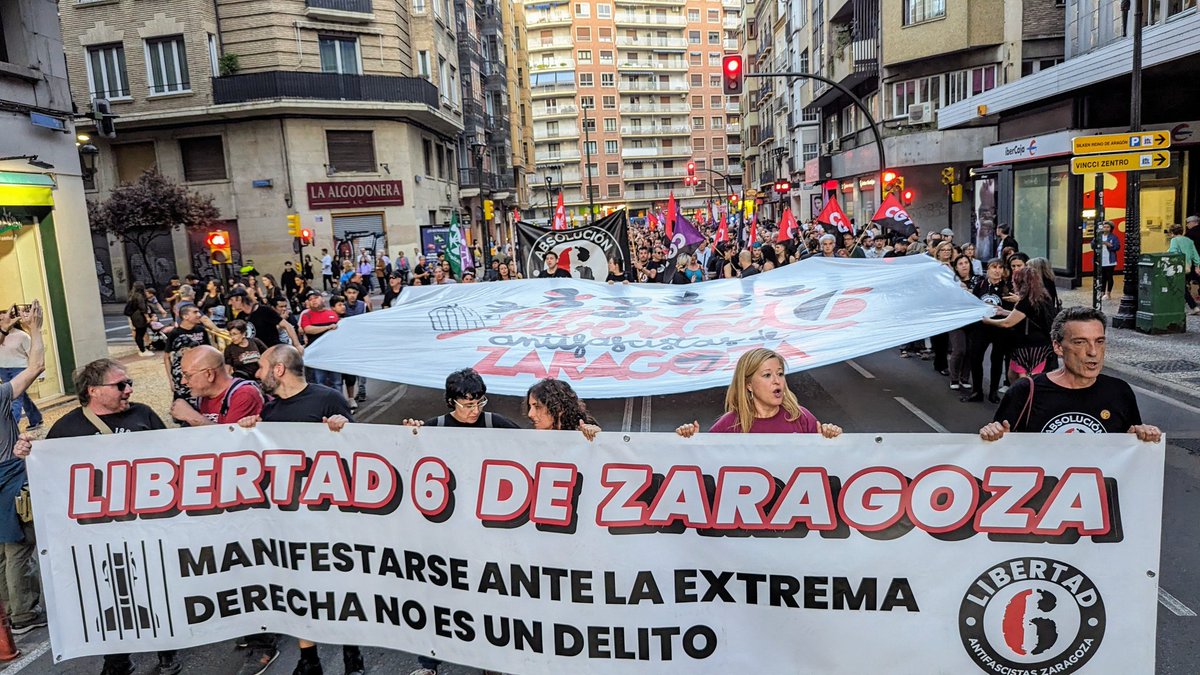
(733, 148)
(552, 89)
(734, 170)
(547, 19)
(564, 132)
(733, 108)
(654, 66)
(642, 3)
(653, 85)
(556, 111)
(633, 174)
(733, 128)
(659, 193)
(549, 156)
(655, 109)
(560, 42)
(656, 151)
(278, 84)
(342, 11)
(560, 63)
(732, 4)
(657, 130)
(731, 44)
(474, 178)
(648, 42)
(731, 23)
(634, 19)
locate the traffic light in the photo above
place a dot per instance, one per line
(948, 176)
(691, 169)
(731, 70)
(489, 210)
(783, 186)
(219, 250)
(306, 237)
(106, 121)
(733, 199)
(293, 224)
(906, 196)
(889, 180)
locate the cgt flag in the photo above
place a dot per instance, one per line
(891, 215)
(560, 215)
(833, 214)
(723, 229)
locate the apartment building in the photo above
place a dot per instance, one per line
(494, 143)
(907, 59)
(1024, 176)
(625, 94)
(346, 112)
(45, 245)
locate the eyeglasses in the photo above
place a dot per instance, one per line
(121, 386)
(472, 405)
(186, 375)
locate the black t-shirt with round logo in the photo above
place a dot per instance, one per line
(1108, 406)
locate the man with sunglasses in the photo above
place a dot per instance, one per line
(104, 392)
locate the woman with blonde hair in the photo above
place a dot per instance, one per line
(758, 401)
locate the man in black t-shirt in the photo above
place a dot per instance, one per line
(104, 391)
(1076, 398)
(189, 333)
(281, 374)
(551, 270)
(266, 321)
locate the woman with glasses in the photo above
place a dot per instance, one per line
(466, 397)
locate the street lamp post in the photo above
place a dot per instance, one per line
(1127, 311)
(549, 199)
(587, 149)
(479, 150)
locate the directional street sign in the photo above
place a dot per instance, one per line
(1133, 161)
(1146, 140)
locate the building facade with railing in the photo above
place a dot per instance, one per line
(346, 112)
(625, 94)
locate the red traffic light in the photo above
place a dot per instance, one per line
(731, 71)
(691, 168)
(306, 237)
(732, 199)
(783, 186)
(216, 240)
(907, 196)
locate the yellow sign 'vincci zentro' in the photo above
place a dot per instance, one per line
(1145, 140)
(1134, 161)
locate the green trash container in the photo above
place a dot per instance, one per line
(1161, 307)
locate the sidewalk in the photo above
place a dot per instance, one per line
(1168, 364)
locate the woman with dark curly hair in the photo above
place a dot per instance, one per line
(553, 404)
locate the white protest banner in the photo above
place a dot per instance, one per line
(659, 339)
(539, 553)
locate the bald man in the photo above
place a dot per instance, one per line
(224, 399)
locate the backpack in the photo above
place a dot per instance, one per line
(238, 383)
(440, 421)
(130, 307)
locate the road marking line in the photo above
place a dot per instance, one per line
(645, 413)
(117, 328)
(861, 371)
(27, 660)
(922, 415)
(385, 403)
(1169, 601)
(1167, 399)
(627, 418)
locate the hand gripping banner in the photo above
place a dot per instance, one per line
(607, 340)
(540, 553)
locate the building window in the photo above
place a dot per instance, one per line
(612, 169)
(604, 34)
(423, 64)
(586, 102)
(714, 59)
(339, 55)
(696, 58)
(419, 7)
(610, 147)
(214, 57)
(106, 72)
(966, 83)
(584, 55)
(697, 122)
(916, 11)
(714, 37)
(610, 102)
(427, 145)
(610, 124)
(614, 190)
(589, 124)
(697, 102)
(810, 151)
(718, 143)
(587, 80)
(604, 11)
(590, 148)
(693, 16)
(1031, 66)
(715, 101)
(443, 79)
(350, 150)
(804, 61)
(697, 79)
(606, 56)
(698, 144)
(608, 80)
(583, 34)
(166, 65)
(694, 37)
(718, 122)
(551, 129)
(203, 158)
(583, 10)
(914, 92)
(714, 80)
(714, 16)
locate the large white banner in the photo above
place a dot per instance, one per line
(657, 339)
(539, 553)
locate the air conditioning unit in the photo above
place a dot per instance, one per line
(920, 113)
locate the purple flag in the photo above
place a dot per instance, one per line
(686, 238)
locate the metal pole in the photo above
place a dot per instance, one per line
(487, 226)
(1127, 311)
(587, 149)
(1097, 245)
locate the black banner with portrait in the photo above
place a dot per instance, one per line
(581, 251)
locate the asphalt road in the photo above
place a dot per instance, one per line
(880, 392)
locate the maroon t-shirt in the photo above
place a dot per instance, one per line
(806, 423)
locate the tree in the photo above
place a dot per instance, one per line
(141, 212)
